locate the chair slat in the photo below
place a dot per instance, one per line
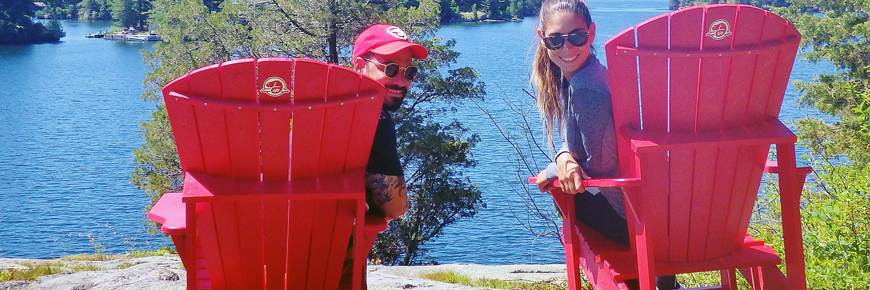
(344, 217)
(275, 144)
(227, 228)
(721, 203)
(777, 28)
(772, 28)
(653, 83)
(684, 33)
(335, 139)
(755, 165)
(308, 125)
(680, 203)
(365, 116)
(251, 230)
(275, 241)
(302, 215)
(309, 81)
(705, 165)
(186, 135)
(626, 113)
(307, 129)
(240, 83)
(275, 78)
(321, 237)
(211, 122)
(655, 202)
(336, 132)
(712, 81)
(211, 252)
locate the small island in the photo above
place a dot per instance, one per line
(17, 26)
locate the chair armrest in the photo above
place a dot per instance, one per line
(772, 167)
(600, 182)
(769, 132)
(199, 187)
(170, 212)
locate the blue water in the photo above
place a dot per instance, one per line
(69, 121)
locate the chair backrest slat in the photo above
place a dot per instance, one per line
(238, 82)
(701, 69)
(275, 78)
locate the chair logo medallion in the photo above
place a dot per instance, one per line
(719, 29)
(274, 87)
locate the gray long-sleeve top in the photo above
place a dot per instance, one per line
(586, 128)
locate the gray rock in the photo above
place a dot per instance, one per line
(166, 272)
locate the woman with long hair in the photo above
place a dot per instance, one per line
(573, 95)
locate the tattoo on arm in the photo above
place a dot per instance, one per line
(384, 188)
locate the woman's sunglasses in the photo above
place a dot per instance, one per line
(392, 69)
(557, 41)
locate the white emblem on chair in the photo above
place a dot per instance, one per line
(719, 29)
(274, 87)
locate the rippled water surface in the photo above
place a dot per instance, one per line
(70, 113)
(69, 120)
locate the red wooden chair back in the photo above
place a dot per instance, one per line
(234, 119)
(247, 129)
(706, 69)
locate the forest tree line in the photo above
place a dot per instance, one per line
(676, 4)
(135, 13)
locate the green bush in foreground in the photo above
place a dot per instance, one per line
(836, 203)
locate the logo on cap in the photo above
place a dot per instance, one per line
(397, 33)
(719, 29)
(274, 87)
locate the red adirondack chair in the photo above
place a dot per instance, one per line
(274, 152)
(696, 96)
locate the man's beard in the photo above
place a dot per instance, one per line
(395, 106)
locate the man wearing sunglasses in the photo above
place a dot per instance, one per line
(384, 53)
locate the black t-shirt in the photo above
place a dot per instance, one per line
(384, 158)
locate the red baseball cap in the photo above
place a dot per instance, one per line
(385, 39)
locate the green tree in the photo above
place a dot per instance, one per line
(433, 154)
(836, 203)
(130, 13)
(449, 10)
(676, 4)
(17, 28)
(94, 10)
(494, 10)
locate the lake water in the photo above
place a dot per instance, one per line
(69, 121)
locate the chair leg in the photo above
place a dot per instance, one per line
(765, 278)
(728, 279)
(790, 185)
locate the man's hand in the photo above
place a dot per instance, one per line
(571, 176)
(388, 193)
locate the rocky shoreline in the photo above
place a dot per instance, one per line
(166, 272)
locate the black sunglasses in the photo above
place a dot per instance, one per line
(575, 38)
(392, 69)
